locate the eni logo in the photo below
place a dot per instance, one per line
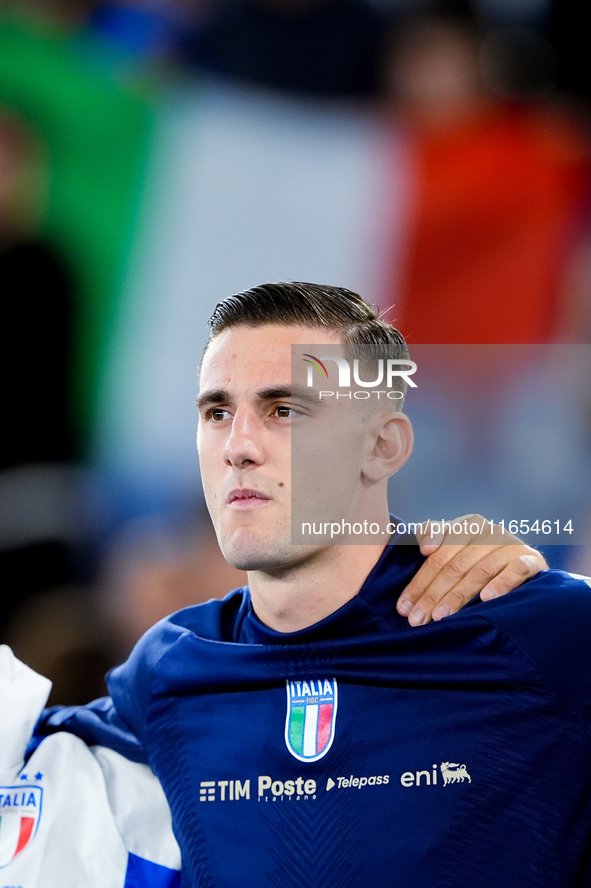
(453, 772)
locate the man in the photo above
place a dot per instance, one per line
(302, 731)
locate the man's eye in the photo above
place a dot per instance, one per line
(217, 414)
(285, 411)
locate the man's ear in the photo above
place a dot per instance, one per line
(389, 444)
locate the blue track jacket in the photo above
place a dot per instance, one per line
(361, 751)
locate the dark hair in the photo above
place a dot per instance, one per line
(309, 305)
(314, 305)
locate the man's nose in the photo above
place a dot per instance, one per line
(243, 445)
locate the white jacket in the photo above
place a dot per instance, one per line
(74, 817)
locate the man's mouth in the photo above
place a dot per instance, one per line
(245, 498)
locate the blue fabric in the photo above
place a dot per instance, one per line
(98, 723)
(461, 753)
(145, 874)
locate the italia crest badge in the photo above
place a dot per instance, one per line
(311, 717)
(20, 809)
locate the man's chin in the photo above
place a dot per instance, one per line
(252, 559)
(248, 551)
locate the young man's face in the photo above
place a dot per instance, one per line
(246, 415)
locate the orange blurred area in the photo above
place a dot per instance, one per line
(500, 204)
(499, 207)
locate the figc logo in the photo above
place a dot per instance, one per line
(311, 717)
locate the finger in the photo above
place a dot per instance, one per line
(440, 573)
(493, 562)
(424, 577)
(475, 552)
(491, 572)
(517, 572)
(459, 573)
(465, 530)
(431, 545)
(429, 537)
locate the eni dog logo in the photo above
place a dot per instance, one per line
(453, 772)
(20, 809)
(311, 717)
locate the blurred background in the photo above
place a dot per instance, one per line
(159, 155)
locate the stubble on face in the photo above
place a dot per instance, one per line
(244, 443)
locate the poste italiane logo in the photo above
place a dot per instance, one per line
(311, 717)
(20, 809)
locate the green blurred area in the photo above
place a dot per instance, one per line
(95, 121)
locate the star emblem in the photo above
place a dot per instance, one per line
(24, 776)
(38, 776)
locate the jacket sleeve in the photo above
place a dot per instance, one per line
(75, 817)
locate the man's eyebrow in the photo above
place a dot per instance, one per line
(272, 393)
(277, 393)
(216, 396)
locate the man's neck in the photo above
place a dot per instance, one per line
(303, 595)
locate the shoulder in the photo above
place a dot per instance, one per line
(549, 619)
(130, 683)
(552, 600)
(214, 619)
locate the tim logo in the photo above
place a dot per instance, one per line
(20, 809)
(452, 772)
(229, 790)
(311, 717)
(402, 369)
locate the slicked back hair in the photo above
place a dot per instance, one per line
(319, 306)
